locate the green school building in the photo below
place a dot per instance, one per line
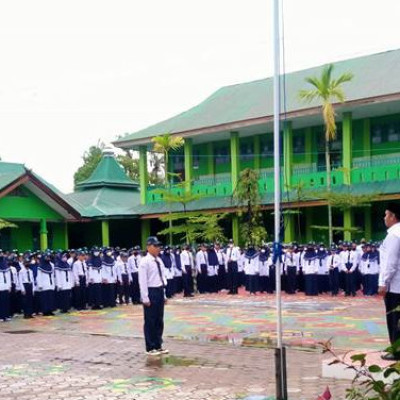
(233, 129)
(229, 131)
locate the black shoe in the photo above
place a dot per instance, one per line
(390, 357)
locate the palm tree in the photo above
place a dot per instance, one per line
(164, 144)
(327, 90)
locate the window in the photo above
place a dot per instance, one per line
(385, 132)
(222, 155)
(246, 152)
(196, 158)
(299, 144)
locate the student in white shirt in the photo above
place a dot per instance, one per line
(264, 262)
(109, 277)
(79, 269)
(124, 278)
(334, 264)
(202, 267)
(27, 288)
(152, 282)
(45, 284)
(187, 263)
(64, 281)
(133, 264)
(232, 259)
(5, 288)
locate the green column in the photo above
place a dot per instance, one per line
(43, 235)
(210, 159)
(347, 223)
(235, 228)
(287, 155)
(105, 233)
(188, 152)
(289, 228)
(368, 223)
(235, 162)
(145, 231)
(308, 213)
(257, 152)
(347, 148)
(143, 179)
(66, 241)
(367, 137)
(308, 157)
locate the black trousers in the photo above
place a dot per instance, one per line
(188, 281)
(64, 300)
(392, 300)
(108, 294)
(124, 289)
(80, 295)
(291, 278)
(154, 319)
(233, 277)
(334, 281)
(221, 278)
(202, 279)
(95, 295)
(349, 284)
(4, 304)
(27, 300)
(135, 290)
(47, 301)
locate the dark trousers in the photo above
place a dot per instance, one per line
(47, 301)
(370, 284)
(202, 279)
(272, 279)
(334, 281)
(135, 290)
(80, 298)
(349, 284)
(154, 319)
(212, 284)
(323, 283)
(4, 304)
(170, 289)
(252, 283)
(311, 281)
(178, 284)
(291, 278)
(15, 300)
(27, 300)
(188, 281)
(392, 300)
(95, 295)
(233, 277)
(108, 294)
(221, 280)
(64, 300)
(124, 290)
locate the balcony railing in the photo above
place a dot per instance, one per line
(310, 177)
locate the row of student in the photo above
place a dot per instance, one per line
(45, 282)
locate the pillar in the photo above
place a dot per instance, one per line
(235, 162)
(66, 241)
(308, 157)
(368, 223)
(347, 148)
(287, 155)
(145, 231)
(367, 137)
(143, 179)
(289, 222)
(105, 233)
(257, 152)
(308, 212)
(235, 228)
(188, 153)
(347, 223)
(210, 159)
(43, 234)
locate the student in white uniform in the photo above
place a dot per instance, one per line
(310, 270)
(5, 288)
(334, 264)
(290, 262)
(79, 269)
(369, 269)
(251, 269)
(178, 270)
(124, 278)
(133, 264)
(27, 288)
(202, 267)
(94, 278)
(350, 262)
(232, 259)
(264, 262)
(187, 263)
(221, 273)
(64, 281)
(45, 285)
(152, 282)
(109, 278)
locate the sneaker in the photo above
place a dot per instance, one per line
(153, 353)
(163, 351)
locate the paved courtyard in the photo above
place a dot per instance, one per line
(220, 349)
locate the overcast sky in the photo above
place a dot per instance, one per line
(73, 72)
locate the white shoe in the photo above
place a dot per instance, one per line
(153, 353)
(163, 351)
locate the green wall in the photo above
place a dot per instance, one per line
(26, 206)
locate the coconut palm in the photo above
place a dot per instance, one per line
(327, 90)
(164, 144)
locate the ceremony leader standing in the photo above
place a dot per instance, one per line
(152, 283)
(389, 277)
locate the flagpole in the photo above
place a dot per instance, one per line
(280, 355)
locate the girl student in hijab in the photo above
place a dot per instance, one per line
(251, 269)
(310, 270)
(5, 288)
(264, 262)
(169, 271)
(94, 266)
(109, 276)
(27, 287)
(369, 268)
(45, 284)
(64, 279)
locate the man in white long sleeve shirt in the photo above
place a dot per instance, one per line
(133, 266)
(232, 258)
(389, 277)
(202, 266)
(187, 270)
(152, 282)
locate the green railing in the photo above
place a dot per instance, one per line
(364, 171)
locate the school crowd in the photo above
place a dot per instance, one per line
(43, 282)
